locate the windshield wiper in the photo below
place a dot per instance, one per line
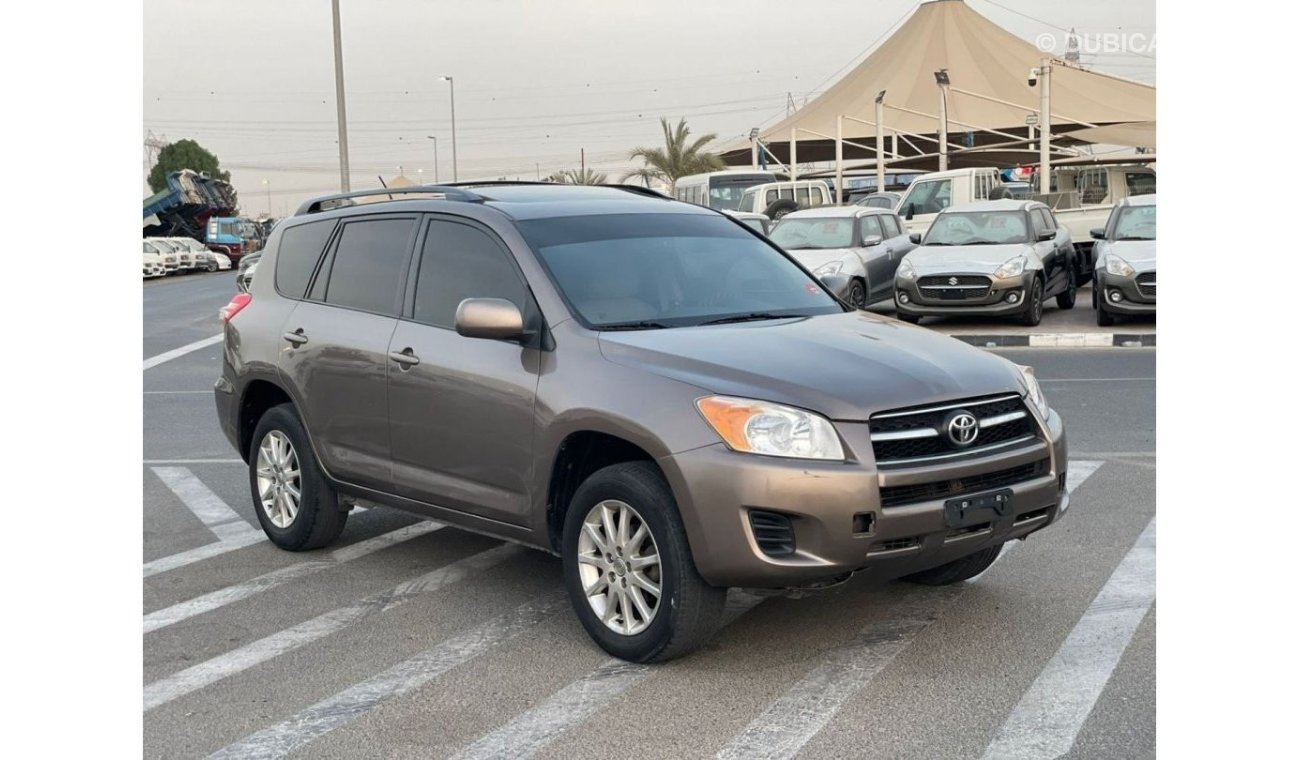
(751, 317)
(641, 325)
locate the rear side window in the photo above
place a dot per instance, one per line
(459, 261)
(300, 248)
(368, 265)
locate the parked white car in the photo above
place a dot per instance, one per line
(184, 256)
(153, 265)
(170, 260)
(223, 261)
(203, 258)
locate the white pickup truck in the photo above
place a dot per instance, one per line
(1081, 198)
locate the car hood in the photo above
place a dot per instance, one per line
(844, 366)
(812, 258)
(982, 259)
(1140, 254)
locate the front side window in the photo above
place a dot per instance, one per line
(652, 271)
(871, 226)
(929, 197)
(301, 247)
(805, 233)
(978, 228)
(889, 223)
(459, 261)
(368, 265)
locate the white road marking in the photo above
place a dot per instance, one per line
(1050, 713)
(207, 551)
(1071, 340)
(199, 499)
(355, 701)
(231, 594)
(538, 727)
(797, 716)
(179, 393)
(167, 356)
(193, 461)
(1095, 379)
(238, 660)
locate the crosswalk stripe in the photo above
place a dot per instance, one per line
(355, 701)
(1046, 720)
(231, 594)
(238, 660)
(199, 499)
(797, 716)
(573, 704)
(207, 551)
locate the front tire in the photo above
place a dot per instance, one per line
(958, 570)
(1066, 298)
(1034, 308)
(1104, 318)
(857, 296)
(629, 571)
(296, 506)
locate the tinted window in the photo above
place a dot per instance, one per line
(459, 262)
(673, 270)
(368, 264)
(300, 249)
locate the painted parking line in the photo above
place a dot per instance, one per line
(782, 729)
(1046, 720)
(231, 594)
(354, 702)
(207, 551)
(238, 660)
(176, 353)
(573, 704)
(219, 518)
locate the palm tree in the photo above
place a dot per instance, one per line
(678, 158)
(585, 176)
(645, 175)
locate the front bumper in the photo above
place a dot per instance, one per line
(923, 302)
(829, 503)
(1132, 301)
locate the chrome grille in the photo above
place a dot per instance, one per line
(957, 287)
(917, 435)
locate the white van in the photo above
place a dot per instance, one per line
(931, 193)
(776, 199)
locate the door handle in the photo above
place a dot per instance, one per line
(406, 357)
(297, 337)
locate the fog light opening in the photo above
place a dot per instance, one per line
(1116, 296)
(904, 298)
(1013, 297)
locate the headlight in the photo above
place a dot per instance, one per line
(759, 427)
(1033, 392)
(830, 267)
(1011, 268)
(906, 271)
(1117, 266)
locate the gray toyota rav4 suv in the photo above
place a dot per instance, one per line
(647, 388)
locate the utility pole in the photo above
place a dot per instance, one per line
(941, 79)
(435, 157)
(880, 142)
(1045, 127)
(582, 163)
(267, 182)
(455, 165)
(152, 147)
(345, 181)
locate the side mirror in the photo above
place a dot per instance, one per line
(915, 237)
(837, 284)
(870, 240)
(490, 318)
(911, 211)
(1098, 233)
(1046, 235)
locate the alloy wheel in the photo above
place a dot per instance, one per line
(279, 479)
(619, 567)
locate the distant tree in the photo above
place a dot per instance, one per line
(585, 176)
(184, 154)
(679, 157)
(645, 175)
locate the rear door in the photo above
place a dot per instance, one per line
(335, 343)
(461, 414)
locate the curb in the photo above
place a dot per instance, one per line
(1062, 340)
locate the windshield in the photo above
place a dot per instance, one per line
(978, 228)
(163, 245)
(647, 271)
(1136, 223)
(813, 232)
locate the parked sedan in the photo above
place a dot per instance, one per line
(221, 259)
(991, 258)
(1124, 281)
(247, 267)
(860, 243)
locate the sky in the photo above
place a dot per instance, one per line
(537, 82)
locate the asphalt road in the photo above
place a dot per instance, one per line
(406, 640)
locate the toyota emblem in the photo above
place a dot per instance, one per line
(962, 428)
(952, 280)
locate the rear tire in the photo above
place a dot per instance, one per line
(313, 519)
(1066, 298)
(958, 570)
(1034, 305)
(687, 611)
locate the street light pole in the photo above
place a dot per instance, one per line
(435, 157)
(455, 167)
(267, 182)
(345, 181)
(941, 79)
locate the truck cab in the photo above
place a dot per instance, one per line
(931, 193)
(232, 236)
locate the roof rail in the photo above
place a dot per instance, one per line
(341, 200)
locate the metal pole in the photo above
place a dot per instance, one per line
(435, 157)
(753, 154)
(455, 165)
(880, 142)
(1045, 128)
(839, 159)
(267, 182)
(345, 174)
(943, 128)
(794, 146)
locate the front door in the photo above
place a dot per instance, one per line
(461, 419)
(876, 259)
